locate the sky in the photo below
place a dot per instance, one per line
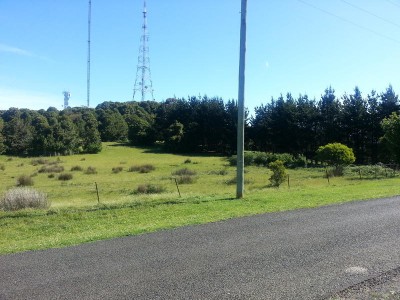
(296, 46)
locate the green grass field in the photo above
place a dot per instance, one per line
(75, 216)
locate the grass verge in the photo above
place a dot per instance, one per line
(33, 230)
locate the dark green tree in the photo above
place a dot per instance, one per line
(2, 146)
(112, 125)
(391, 137)
(91, 141)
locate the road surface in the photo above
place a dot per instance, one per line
(303, 254)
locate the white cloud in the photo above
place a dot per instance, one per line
(28, 99)
(14, 50)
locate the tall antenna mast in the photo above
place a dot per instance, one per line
(143, 83)
(88, 54)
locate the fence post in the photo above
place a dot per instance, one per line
(327, 175)
(177, 187)
(97, 191)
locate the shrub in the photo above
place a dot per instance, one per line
(91, 170)
(116, 170)
(146, 168)
(184, 172)
(335, 154)
(65, 176)
(50, 176)
(51, 169)
(23, 197)
(188, 161)
(24, 180)
(76, 168)
(150, 189)
(278, 173)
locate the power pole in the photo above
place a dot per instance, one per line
(241, 116)
(88, 54)
(143, 83)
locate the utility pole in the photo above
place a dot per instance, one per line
(88, 53)
(240, 128)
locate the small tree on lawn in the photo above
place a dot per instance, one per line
(278, 173)
(336, 154)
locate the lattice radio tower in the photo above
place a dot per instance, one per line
(143, 83)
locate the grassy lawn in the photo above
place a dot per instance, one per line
(76, 217)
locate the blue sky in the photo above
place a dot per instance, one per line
(297, 46)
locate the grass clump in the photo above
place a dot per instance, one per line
(146, 168)
(150, 189)
(65, 176)
(2, 167)
(51, 169)
(39, 161)
(116, 170)
(184, 172)
(23, 197)
(185, 176)
(188, 161)
(186, 179)
(91, 170)
(76, 168)
(24, 180)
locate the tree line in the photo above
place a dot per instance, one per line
(202, 124)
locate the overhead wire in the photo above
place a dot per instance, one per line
(394, 3)
(371, 13)
(350, 22)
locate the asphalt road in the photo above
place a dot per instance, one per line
(304, 254)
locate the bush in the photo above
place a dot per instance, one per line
(150, 189)
(51, 169)
(24, 180)
(65, 176)
(91, 170)
(188, 161)
(184, 172)
(116, 170)
(23, 197)
(51, 175)
(278, 173)
(146, 168)
(76, 168)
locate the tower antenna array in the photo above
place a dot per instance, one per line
(143, 83)
(88, 53)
